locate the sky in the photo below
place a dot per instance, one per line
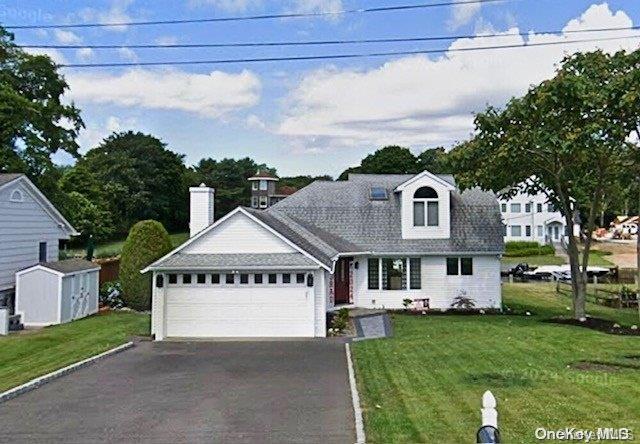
(308, 117)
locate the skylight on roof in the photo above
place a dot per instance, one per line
(378, 193)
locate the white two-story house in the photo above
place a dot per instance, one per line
(371, 241)
(532, 218)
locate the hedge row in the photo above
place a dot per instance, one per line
(526, 248)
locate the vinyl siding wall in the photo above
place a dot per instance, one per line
(37, 297)
(238, 234)
(23, 225)
(483, 286)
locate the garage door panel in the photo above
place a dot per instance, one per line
(237, 312)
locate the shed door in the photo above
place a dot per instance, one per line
(278, 311)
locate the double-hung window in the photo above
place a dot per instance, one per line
(425, 208)
(459, 266)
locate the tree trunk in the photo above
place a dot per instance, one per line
(578, 284)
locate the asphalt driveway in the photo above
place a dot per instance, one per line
(295, 391)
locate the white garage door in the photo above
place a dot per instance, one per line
(239, 312)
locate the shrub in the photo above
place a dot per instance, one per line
(526, 248)
(147, 242)
(110, 295)
(339, 321)
(463, 302)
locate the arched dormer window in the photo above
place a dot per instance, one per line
(425, 207)
(16, 196)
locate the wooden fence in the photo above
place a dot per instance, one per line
(110, 270)
(599, 295)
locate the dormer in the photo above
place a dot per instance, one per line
(425, 207)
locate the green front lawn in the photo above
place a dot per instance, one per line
(33, 353)
(114, 248)
(425, 384)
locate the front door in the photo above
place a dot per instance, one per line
(342, 281)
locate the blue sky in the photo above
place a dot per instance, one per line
(313, 117)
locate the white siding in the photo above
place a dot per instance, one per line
(320, 291)
(23, 225)
(483, 286)
(37, 297)
(443, 230)
(238, 234)
(545, 218)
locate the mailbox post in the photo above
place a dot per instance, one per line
(488, 433)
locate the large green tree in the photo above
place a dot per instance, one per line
(229, 178)
(138, 178)
(34, 123)
(564, 138)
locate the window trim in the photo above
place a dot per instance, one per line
(300, 278)
(511, 227)
(288, 278)
(43, 248)
(172, 279)
(426, 202)
(264, 201)
(515, 205)
(215, 279)
(246, 278)
(190, 280)
(264, 185)
(275, 278)
(226, 279)
(204, 278)
(255, 281)
(503, 207)
(17, 196)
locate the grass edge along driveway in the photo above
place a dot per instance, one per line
(33, 353)
(425, 384)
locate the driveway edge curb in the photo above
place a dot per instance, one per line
(41, 380)
(355, 398)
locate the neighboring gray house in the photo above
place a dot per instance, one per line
(371, 241)
(30, 228)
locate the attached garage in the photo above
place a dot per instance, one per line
(279, 311)
(238, 278)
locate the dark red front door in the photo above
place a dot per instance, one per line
(342, 281)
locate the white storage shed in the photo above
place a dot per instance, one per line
(57, 292)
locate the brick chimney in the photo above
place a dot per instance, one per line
(201, 208)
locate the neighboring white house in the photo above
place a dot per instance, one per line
(370, 241)
(625, 225)
(30, 228)
(531, 218)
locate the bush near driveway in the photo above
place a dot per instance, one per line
(147, 242)
(32, 353)
(425, 384)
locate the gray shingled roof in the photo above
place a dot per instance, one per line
(346, 220)
(8, 177)
(70, 265)
(232, 261)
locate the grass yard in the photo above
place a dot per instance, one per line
(114, 248)
(425, 384)
(33, 353)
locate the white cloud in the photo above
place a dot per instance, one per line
(255, 122)
(116, 13)
(462, 14)
(92, 135)
(420, 101)
(128, 54)
(311, 6)
(85, 54)
(67, 37)
(53, 54)
(228, 5)
(211, 95)
(167, 40)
